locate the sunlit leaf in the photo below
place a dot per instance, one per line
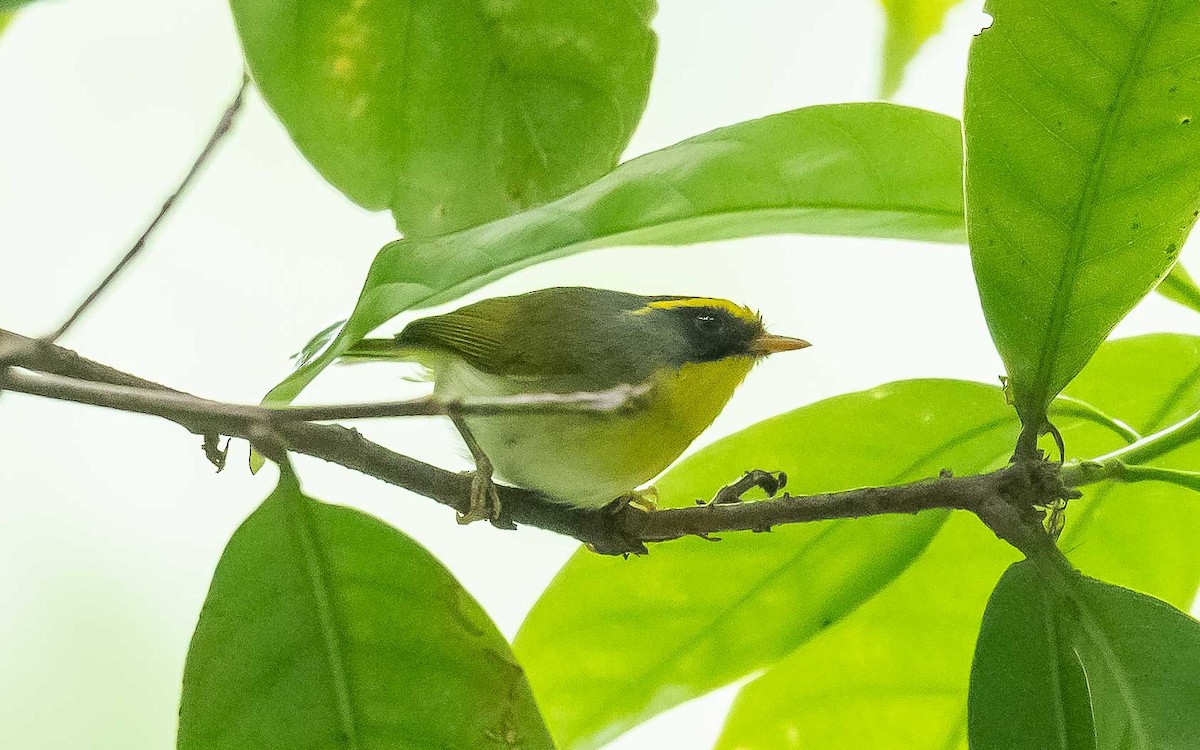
(1083, 159)
(893, 674)
(910, 23)
(875, 170)
(1073, 663)
(455, 112)
(1179, 287)
(613, 642)
(1150, 382)
(326, 628)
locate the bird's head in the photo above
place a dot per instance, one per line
(706, 329)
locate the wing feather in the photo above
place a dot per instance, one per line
(565, 337)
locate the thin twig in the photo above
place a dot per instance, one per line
(1006, 500)
(612, 400)
(214, 140)
(184, 408)
(176, 407)
(40, 356)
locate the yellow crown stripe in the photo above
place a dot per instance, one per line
(724, 304)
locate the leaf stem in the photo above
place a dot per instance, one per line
(1082, 473)
(1068, 406)
(1156, 444)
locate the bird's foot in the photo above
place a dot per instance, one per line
(645, 499)
(769, 482)
(485, 499)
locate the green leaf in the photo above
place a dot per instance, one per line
(1083, 158)
(9, 6)
(326, 628)
(910, 23)
(1150, 382)
(893, 674)
(875, 170)
(613, 642)
(1028, 688)
(455, 112)
(5, 18)
(1040, 637)
(1179, 287)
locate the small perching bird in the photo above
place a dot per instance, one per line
(690, 352)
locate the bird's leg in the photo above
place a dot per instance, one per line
(485, 500)
(769, 482)
(646, 499)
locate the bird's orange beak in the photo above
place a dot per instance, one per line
(770, 344)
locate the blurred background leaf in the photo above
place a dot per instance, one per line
(1039, 636)
(893, 674)
(909, 24)
(456, 112)
(326, 627)
(1179, 287)
(612, 642)
(1081, 174)
(870, 170)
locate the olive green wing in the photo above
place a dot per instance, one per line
(477, 333)
(563, 334)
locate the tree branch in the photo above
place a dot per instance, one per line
(186, 409)
(1006, 500)
(218, 134)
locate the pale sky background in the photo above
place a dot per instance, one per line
(111, 524)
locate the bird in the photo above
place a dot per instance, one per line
(688, 355)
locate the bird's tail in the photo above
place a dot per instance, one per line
(377, 350)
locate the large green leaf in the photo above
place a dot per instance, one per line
(1028, 688)
(614, 642)
(325, 628)
(1179, 287)
(910, 23)
(455, 112)
(1040, 637)
(893, 674)
(874, 170)
(1082, 166)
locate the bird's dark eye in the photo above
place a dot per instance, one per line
(707, 324)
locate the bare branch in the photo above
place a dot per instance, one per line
(176, 407)
(217, 136)
(38, 355)
(612, 400)
(183, 408)
(1007, 500)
